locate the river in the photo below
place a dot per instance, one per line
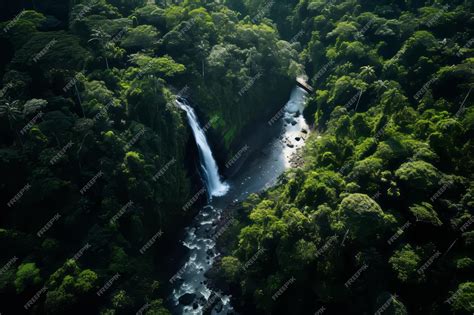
(263, 158)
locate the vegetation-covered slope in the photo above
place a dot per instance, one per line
(379, 219)
(95, 159)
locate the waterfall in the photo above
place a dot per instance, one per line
(209, 169)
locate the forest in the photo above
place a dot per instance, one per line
(101, 173)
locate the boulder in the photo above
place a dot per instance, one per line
(187, 298)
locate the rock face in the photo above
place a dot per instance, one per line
(187, 299)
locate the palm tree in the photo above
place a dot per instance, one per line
(103, 38)
(367, 73)
(380, 86)
(11, 111)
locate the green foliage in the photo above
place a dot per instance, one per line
(405, 263)
(393, 147)
(462, 298)
(363, 217)
(27, 276)
(418, 175)
(387, 175)
(424, 212)
(162, 66)
(140, 37)
(68, 286)
(231, 268)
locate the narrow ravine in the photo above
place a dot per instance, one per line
(269, 153)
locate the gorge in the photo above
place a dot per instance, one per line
(269, 154)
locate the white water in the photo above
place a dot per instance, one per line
(209, 168)
(276, 144)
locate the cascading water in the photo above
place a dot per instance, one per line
(192, 292)
(209, 168)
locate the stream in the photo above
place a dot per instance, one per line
(263, 158)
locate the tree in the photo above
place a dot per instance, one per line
(405, 263)
(33, 106)
(424, 212)
(362, 217)
(463, 297)
(231, 267)
(10, 110)
(27, 276)
(140, 37)
(161, 67)
(418, 176)
(367, 73)
(104, 43)
(68, 286)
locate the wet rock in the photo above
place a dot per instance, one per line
(187, 298)
(297, 138)
(213, 301)
(297, 114)
(304, 130)
(219, 306)
(293, 122)
(288, 120)
(209, 252)
(289, 145)
(195, 305)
